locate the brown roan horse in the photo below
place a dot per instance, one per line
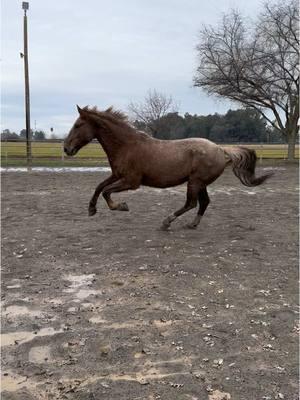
(138, 159)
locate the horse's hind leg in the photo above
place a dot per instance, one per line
(191, 202)
(98, 190)
(203, 203)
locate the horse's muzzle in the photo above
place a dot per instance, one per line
(69, 152)
(66, 150)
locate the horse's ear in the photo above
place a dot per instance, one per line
(83, 112)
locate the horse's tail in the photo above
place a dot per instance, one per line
(243, 162)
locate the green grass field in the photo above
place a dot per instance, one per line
(48, 149)
(51, 154)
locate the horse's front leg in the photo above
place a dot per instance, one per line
(98, 190)
(116, 187)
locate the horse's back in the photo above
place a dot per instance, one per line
(169, 163)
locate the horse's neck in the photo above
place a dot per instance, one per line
(112, 142)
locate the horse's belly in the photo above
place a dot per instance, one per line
(163, 182)
(166, 174)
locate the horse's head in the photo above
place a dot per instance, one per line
(81, 133)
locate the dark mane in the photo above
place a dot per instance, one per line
(109, 113)
(114, 116)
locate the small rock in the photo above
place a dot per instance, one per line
(206, 326)
(209, 388)
(143, 382)
(218, 395)
(176, 385)
(199, 375)
(73, 343)
(268, 347)
(218, 362)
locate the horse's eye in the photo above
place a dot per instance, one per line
(78, 125)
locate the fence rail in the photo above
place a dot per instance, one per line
(51, 153)
(13, 153)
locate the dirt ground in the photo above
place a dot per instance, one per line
(110, 307)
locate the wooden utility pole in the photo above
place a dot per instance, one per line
(25, 6)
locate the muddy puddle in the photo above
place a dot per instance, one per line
(11, 382)
(19, 311)
(39, 354)
(20, 337)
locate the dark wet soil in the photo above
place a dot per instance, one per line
(110, 307)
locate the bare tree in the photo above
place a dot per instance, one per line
(149, 112)
(258, 66)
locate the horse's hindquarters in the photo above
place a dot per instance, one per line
(171, 163)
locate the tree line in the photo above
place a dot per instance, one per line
(7, 134)
(236, 126)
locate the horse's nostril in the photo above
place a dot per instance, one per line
(65, 150)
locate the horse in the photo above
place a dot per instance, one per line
(137, 159)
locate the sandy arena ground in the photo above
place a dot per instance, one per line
(110, 307)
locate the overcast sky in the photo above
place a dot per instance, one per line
(104, 53)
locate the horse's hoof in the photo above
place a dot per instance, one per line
(191, 226)
(123, 207)
(92, 211)
(165, 227)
